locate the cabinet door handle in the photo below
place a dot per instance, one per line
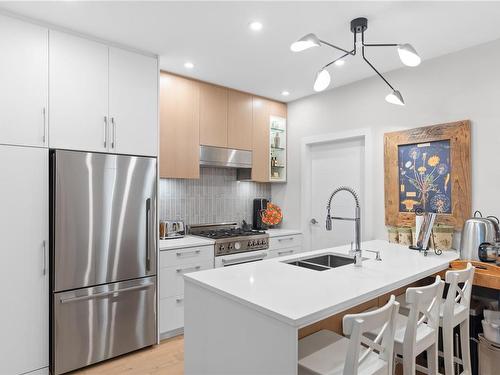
(113, 127)
(188, 252)
(286, 252)
(44, 114)
(182, 270)
(179, 300)
(285, 239)
(105, 131)
(44, 247)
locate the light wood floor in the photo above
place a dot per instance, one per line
(166, 358)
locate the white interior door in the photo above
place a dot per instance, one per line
(334, 164)
(23, 83)
(78, 93)
(24, 312)
(133, 103)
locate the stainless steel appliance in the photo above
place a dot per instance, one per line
(225, 157)
(103, 256)
(172, 229)
(259, 205)
(477, 231)
(233, 245)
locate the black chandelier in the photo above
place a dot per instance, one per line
(406, 52)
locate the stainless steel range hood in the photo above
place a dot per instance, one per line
(241, 160)
(225, 157)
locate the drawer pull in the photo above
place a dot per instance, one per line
(179, 300)
(285, 239)
(286, 252)
(181, 270)
(179, 254)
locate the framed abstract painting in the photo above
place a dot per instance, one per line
(428, 169)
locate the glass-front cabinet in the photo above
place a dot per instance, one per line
(277, 149)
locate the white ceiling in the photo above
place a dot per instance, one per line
(216, 37)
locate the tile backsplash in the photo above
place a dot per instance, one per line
(216, 197)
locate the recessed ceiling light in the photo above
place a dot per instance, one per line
(188, 65)
(285, 93)
(339, 62)
(255, 26)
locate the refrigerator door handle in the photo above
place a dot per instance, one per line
(104, 294)
(148, 234)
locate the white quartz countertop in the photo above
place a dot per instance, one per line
(282, 232)
(187, 241)
(300, 296)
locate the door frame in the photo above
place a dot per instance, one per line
(306, 176)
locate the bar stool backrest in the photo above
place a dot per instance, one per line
(424, 304)
(356, 325)
(458, 294)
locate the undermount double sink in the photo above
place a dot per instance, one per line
(323, 262)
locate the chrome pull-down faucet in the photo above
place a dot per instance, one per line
(357, 222)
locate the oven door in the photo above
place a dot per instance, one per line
(234, 259)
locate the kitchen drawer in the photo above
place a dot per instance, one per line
(275, 253)
(185, 256)
(284, 242)
(172, 278)
(171, 313)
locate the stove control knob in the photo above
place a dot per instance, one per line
(237, 245)
(254, 243)
(249, 243)
(230, 246)
(221, 247)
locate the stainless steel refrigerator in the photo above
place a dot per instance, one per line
(103, 257)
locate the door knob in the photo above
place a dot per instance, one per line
(314, 221)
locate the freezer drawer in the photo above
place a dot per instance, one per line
(94, 324)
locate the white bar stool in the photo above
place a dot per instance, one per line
(455, 312)
(326, 352)
(418, 332)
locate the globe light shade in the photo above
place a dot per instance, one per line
(395, 97)
(408, 55)
(322, 80)
(306, 42)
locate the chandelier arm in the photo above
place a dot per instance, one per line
(380, 44)
(369, 63)
(337, 59)
(334, 46)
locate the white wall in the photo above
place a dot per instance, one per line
(462, 85)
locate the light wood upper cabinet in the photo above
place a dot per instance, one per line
(78, 93)
(133, 103)
(213, 115)
(239, 120)
(260, 140)
(277, 109)
(23, 83)
(179, 127)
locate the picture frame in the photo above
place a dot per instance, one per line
(450, 193)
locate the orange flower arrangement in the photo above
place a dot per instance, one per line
(272, 215)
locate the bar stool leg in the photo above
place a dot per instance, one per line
(465, 346)
(448, 350)
(432, 360)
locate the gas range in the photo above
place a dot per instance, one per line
(231, 239)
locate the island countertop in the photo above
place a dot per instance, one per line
(299, 296)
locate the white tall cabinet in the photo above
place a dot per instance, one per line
(133, 103)
(78, 93)
(102, 98)
(24, 315)
(23, 83)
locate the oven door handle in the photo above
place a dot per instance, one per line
(244, 259)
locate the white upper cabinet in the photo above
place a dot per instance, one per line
(78, 93)
(24, 316)
(23, 83)
(133, 103)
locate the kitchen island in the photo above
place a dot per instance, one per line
(245, 319)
